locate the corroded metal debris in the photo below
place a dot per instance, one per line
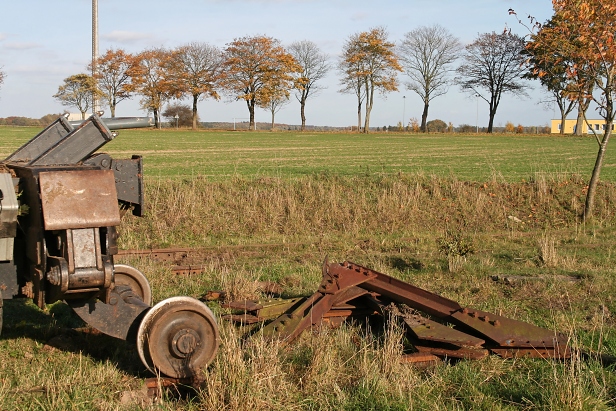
(437, 327)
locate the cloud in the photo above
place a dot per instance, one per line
(127, 37)
(21, 46)
(265, 1)
(3, 36)
(359, 15)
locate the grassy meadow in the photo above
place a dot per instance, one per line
(271, 206)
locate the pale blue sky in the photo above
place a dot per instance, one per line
(44, 41)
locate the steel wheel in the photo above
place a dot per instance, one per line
(130, 276)
(178, 337)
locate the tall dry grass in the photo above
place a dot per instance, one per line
(352, 368)
(238, 211)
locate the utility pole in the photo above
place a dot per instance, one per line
(403, 112)
(95, 106)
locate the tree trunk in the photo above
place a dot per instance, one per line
(83, 115)
(273, 113)
(582, 107)
(579, 123)
(491, 122)
(563, 118)
(359, 116)
(302, 105)
(369, 104)
(112, 107)
(424, 118)
(251, 112)
(596, 171)
(156, 119)
(194, 111)
(367, 119)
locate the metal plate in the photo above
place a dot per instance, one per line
(425, 329)
(506, 332)
(78, 199)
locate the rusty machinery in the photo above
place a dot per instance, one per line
(58, 217)
(436, 326)
(60, 205)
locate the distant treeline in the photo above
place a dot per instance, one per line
(26, 121)
(438, 127)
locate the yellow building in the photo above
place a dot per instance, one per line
(597, 125)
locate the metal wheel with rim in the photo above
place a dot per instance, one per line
(178, 337)
(135, 279)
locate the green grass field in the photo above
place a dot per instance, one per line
(271, 206)
(219, 155)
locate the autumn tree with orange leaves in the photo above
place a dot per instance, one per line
(257, 69)
(78, 91)
(112, 77)
(592, 56)
(197, 68)
(152, 76)
(369, 64)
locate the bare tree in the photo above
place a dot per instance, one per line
(369, 61)
(427, 55)
(314, 67)
(493, 65)
(2, 76)
(197, 69)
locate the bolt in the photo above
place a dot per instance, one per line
(186, 343)
(496, 323)
(54, 275)
(113, 300)
(485, 318)
(465, 311)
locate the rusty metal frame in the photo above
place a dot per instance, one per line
(436, 326)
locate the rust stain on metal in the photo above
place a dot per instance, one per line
(78, 199)
(437, 327)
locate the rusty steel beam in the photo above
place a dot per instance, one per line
(402, 292)
(506, 332)
(348, 290)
